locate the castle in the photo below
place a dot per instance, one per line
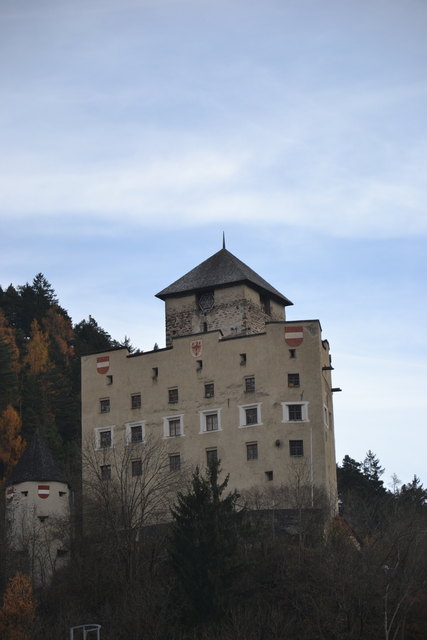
(236, 382)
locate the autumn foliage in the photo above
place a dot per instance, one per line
(18, 612)
(12, 443)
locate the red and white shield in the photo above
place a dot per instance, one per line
(103, 364)
(294, 336)
(43, 490)
(10, 492)
(196, 348)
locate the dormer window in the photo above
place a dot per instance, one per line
(206, 301)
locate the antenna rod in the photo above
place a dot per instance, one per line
(223, 239)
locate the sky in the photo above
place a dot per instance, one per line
(134, 132)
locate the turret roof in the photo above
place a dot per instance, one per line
(222, 269)
(37, 464)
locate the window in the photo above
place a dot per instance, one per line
(293, 379)
(265, 304)
(173, 395)
(174, 462)
(250, 384)
(242, 359)
(206, 301)
(104, 405)
(136, 468)
(292, 353)
(211, 456)
(296, 448)
(155, 372)
(173, 426)
(269, 475)
(250, 415)
(295, 411)
(109, 379)
(104, 438)
(106, 472)
(135, 432)
(199, 365)
(209, 390)
(252, 451)
(135, 401)
(210, 420)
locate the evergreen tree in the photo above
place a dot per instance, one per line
(373, 471)
(89, 337)
(413, 493)
(203, 545)
(8, 375)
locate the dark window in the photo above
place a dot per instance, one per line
(173, 395)
(104, 405)
(105, 439)
(211, 421)
(106, 472)
(292, 353)
(296, 448)
(175, 462)
(252, 451)
(265, 304)
(251, 415)
(295, 411)
(269, 475)
(175, 427)
(109, 379)
(136, 434)
(293, 379)
(250, 384)
(243, 359)
(209, 390)
(155, 372)
(211, 456)
(136, 467)
(135, 401)
(199, 365)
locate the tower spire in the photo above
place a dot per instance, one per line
(223, 239)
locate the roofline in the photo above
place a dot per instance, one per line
(279, 298)
(93, 353)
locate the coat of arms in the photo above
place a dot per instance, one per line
(294, 336)
(103, 364)
(196, 348)
(43, 490)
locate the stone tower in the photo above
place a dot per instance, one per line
(221, 293)
(38, 512)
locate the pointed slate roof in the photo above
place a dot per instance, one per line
(222, 269)
(37, 464)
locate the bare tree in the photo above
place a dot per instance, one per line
(126, 489)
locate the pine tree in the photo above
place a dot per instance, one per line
(203, 546)
(373, 471)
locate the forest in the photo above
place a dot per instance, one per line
(218, 570)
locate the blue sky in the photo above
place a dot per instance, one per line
(134, 132)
